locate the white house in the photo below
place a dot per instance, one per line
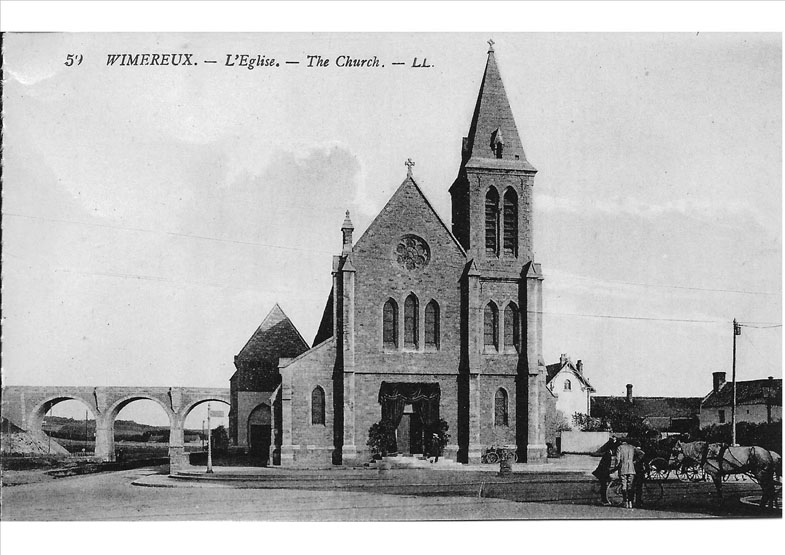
(570, 387)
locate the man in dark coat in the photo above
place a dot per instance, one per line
(604, 469)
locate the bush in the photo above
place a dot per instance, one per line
(441, 430)
(586, 423)
(381, 438)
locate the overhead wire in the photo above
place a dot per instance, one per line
(365, 255)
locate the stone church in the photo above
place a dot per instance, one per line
(425, 322)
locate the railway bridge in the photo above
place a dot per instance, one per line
(26, 406)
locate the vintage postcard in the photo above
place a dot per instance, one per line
(391, 276)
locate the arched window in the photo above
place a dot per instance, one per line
(432, 325)
(492, 222)
(491, 327)
(567, 385)
(510, 223)
(411, 318)
(500, 414)
(390, 324)
(512, 332)
(317, 405)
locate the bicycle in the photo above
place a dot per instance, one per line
(652, 491)
(494, 454)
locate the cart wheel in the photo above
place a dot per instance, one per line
(513, 457)
(658, 469)
(614, 493)
(491, 457)
(697, 474)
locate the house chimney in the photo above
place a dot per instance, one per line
(579, 366)
(629, 393)
(718, 380)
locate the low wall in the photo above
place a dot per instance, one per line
(583, 442)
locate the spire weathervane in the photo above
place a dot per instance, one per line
(490, 45)
(409, 164)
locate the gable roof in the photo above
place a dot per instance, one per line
(275, 337)
(552, 370)
(493, 119)
(747, 393)
(408, 184)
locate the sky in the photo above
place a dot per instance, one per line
(152, 216)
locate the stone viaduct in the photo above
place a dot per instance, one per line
(26, 406)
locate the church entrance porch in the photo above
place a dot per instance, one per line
(413, 409)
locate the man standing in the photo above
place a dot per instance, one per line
(604, 469)
(627, 455)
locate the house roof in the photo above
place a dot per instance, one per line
(747, 393)
(552, 370)
(649, 407)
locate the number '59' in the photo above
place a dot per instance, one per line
(72, 59)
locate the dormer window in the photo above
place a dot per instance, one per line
(497, 143)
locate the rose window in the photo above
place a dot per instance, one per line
(411, 253)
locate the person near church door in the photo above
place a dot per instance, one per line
(435, 447)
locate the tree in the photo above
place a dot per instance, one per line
(220, 440)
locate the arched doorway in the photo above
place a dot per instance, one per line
(260, 433)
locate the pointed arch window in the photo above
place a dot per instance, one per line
(492, 222)
(500, 408)
(390, 324)
(432, 325)
(512, 332)
(491, 327)
(410, 320)
(567, 385)
(510, 223)
(317, 405)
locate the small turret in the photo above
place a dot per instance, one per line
(346, 229)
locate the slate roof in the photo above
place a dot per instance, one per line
(493, 117)
(649, 407)
(749, 392)
(276, 337)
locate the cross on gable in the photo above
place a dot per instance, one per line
(490, 45)
(409, 164)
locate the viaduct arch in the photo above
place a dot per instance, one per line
(26, 406)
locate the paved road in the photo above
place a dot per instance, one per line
(111, 496)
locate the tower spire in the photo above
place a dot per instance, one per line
(493, 139)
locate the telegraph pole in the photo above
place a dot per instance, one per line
(736, 331)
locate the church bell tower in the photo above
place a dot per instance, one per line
(492, 220)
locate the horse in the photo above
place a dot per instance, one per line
(719, 459)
